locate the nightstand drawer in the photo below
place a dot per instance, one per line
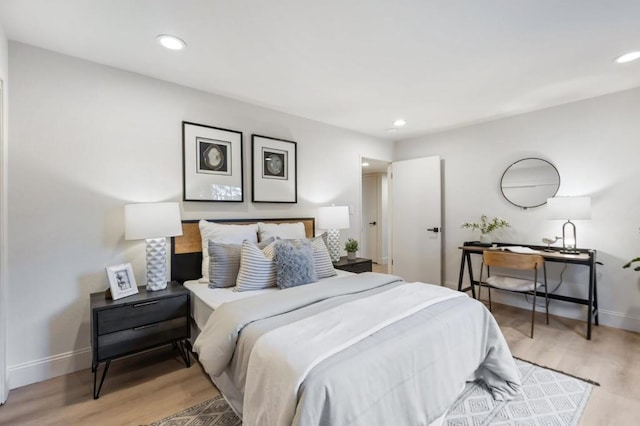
(359, 267)
(141, 313)
(138, 338)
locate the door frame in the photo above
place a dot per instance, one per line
(361, 211)
(4, 291)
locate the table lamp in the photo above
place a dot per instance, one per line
(569, 208)
(333, 219)
(153, 222)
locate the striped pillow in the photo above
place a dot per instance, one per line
(257, 270)
(321, 258)
(224, 263)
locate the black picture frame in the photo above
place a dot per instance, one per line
(274, 170)
(212, 163)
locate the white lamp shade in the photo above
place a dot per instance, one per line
(151, 220)
(569, 208)
(333, 217)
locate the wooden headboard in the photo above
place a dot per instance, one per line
(186, 250)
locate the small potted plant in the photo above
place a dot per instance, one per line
(486, 226)
(351, 246)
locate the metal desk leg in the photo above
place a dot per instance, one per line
(473, 289)
(592, 277)
(96, 393)
(461, 276)
(595, 293)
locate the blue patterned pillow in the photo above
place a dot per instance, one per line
(294, 263)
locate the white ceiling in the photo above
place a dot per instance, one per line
(356, 64)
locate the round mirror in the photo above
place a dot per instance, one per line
(529, 182)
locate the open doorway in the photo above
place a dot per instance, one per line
(375, 213)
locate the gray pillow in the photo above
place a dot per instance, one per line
(294, 263)
(224, 263)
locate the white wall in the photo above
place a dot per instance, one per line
(4, 75)
(595, 144)
(88, 139)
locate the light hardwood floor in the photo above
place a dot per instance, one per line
(150, 386)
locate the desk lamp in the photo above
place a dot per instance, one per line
(569, 208)
(153, 222)
(333, 219)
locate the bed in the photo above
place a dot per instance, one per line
(357, 349)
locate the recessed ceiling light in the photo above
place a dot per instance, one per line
(365, 164)
(400, 122)
(392, 130)
(171, 42)
(628, 57)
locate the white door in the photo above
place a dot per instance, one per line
(416, 244)
(370, 219)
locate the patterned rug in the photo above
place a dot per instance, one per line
(548, 397)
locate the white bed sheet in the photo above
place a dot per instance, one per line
(205, 300)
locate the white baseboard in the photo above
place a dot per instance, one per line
(619, 320)
(48, 368)
(568, 310)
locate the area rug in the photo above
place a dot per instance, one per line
(548, 397)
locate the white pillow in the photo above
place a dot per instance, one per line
(257, 268)
(223, 234)
(286, 231)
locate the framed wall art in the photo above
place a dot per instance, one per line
(274, 170)
(211, 163)
(121, 281)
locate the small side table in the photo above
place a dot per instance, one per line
(357, 265)
(137, 323)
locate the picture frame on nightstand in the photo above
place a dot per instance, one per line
(122, 282)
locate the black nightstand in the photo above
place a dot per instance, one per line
(357, 265)
(137, 323)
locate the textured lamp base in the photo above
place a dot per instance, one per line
(333, 244)
(156, 264)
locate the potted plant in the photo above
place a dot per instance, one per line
(351, 246)
(486, 227)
